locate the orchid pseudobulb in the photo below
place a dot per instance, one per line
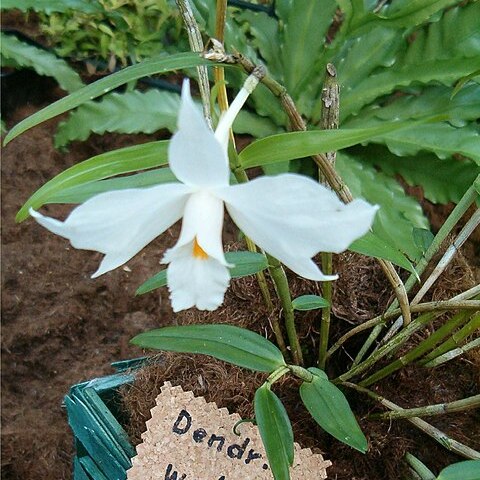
(289, 216)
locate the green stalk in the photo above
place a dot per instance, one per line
(419, 468)
(456, 303)
(280, 281)
(457, 213)
(446, 357)
(329, 121)
(419, 350)
(455, 340)
(430, 430)
(430, 410)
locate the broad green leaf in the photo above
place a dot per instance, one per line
(330, 409)
(289, 146)
(116, 162)
(423, 238)
(50, 6)
(442, 180)
(43, 62)
(428, 101)
(467, 470)
(402, 13)
(244, 263)
(130, 112)
(373, 246)
(309, 302)
(105, 85)
(275, 430)
(232, 344)
(83, 192)
(398, 214)
(304, 31)
(444, 52)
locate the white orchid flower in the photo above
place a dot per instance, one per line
(289, 216)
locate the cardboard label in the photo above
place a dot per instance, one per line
(190, 439)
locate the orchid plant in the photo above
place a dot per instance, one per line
(289, 217)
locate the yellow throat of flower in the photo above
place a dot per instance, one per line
(198, 251)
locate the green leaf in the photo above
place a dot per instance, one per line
(309, 302)
(51, 6)
(249, 123)
(43, 62)
(399, 213)
(423, 238)
(130, 112)
(444, 52)
(84, 191)
(373, 246)
(116, 162)
(289, 146)
(245, 263)
(304, 30)
(466, 470)
(105, 85)
(275, 430)
(330, 409)
(442, 180)
(232, 344)
(402, 13)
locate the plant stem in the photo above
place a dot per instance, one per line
(419, 350)
(430, 410)
(331, 175)
(454, 340)
(457, 213)
(276, 375)
(302, 373)
(419, 468)
(329, 121)
(219, 72)
(196, 44)
(283, 291)
(430, 430)
(397, 341)
(446, 357)
(422, 307)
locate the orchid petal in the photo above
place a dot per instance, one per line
(195, 156)
(227, 119)
(202, 222)
(196, 282)
(293, 218)
(120, 223)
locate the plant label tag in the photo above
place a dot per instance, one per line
(190, 439)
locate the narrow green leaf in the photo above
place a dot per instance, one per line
(276, 432)
(105, 85)
(330, 409)
(467, 470)
(309, 302)
(245, 263)
(43, 62)
(232, 344)
(84, 191)
(373, 246)
(129, 112)
(289, 146)
(102, 166)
